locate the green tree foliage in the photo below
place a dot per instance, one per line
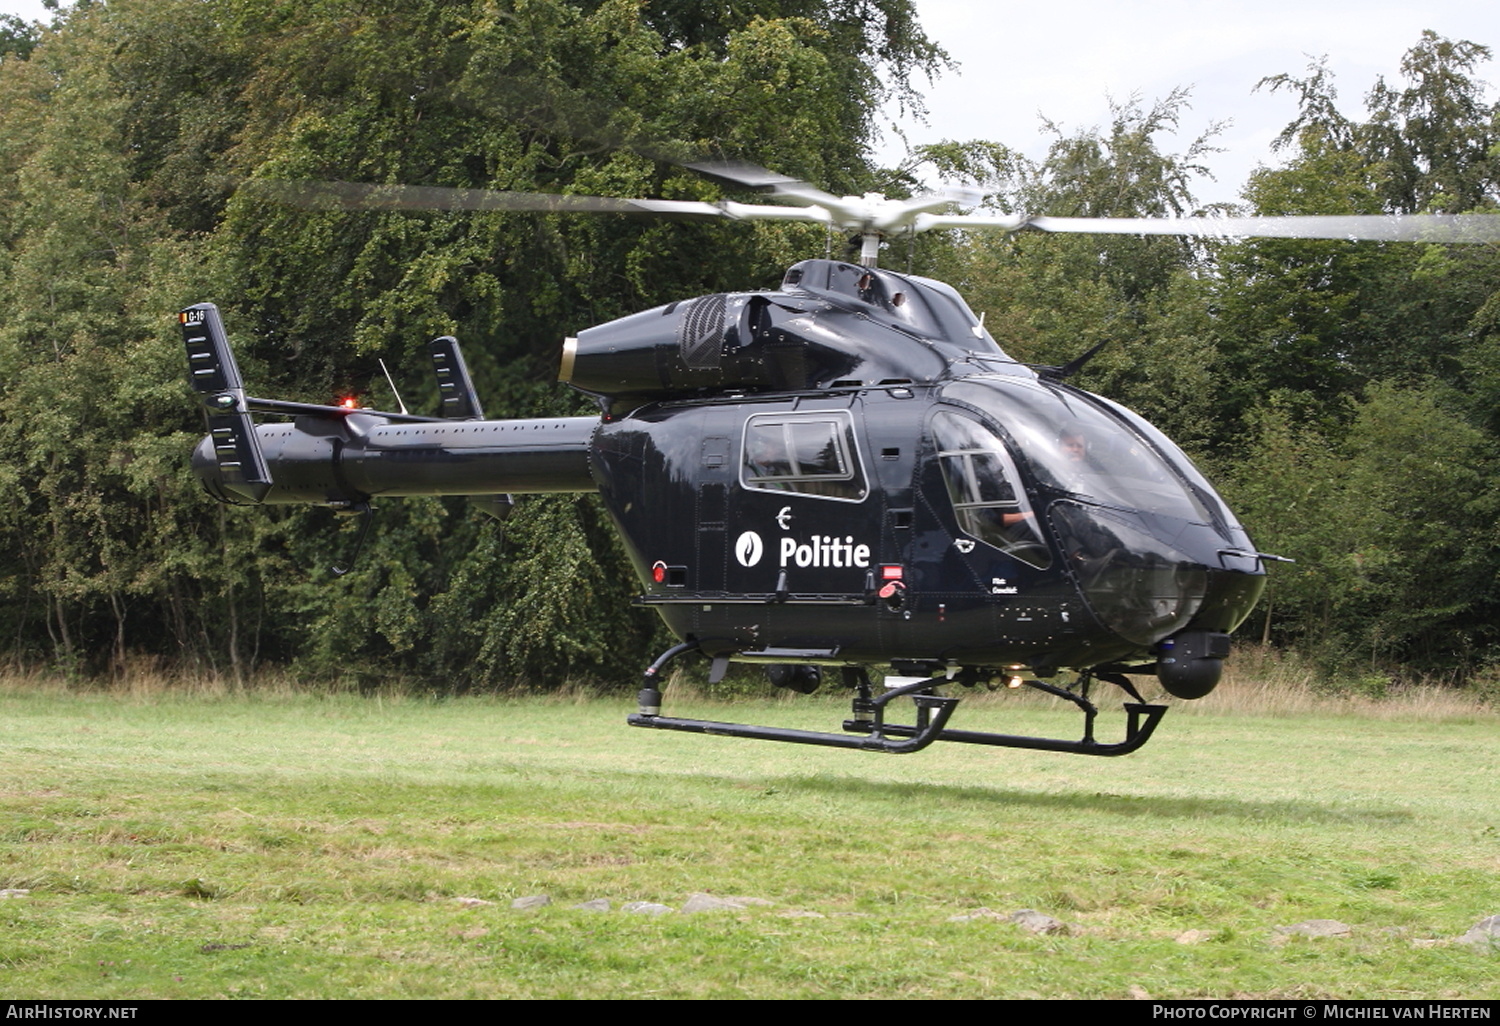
(1362, 372)
(1345, 393)
(1326, 318)
(127, 134)
(1436, 136)
(17, 37)
(1392, 526)
(1430, 144)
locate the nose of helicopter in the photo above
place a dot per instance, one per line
(1149, 577)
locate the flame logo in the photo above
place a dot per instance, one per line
(748, 549)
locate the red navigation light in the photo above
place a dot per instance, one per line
(349, 403)
(658, 571)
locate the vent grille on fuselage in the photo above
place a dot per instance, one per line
(700, 332)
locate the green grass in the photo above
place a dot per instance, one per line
(290, 846)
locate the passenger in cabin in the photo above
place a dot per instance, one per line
(765, 454)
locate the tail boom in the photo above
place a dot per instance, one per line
(329, 455)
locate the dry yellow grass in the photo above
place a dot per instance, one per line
(1258, 681)
(1264, 682)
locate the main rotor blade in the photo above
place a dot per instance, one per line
(361, 196)
(746, 176)
(794, 190)
(875, 213)
(1462, 228)
(1467, 228)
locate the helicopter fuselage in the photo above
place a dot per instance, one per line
(873, 559)
(843, 471)
(848, 471)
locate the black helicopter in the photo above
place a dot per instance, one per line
(842, 473)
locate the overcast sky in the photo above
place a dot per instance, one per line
(1066, 58)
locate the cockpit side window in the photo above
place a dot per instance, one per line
(984, 489)
(810, 454)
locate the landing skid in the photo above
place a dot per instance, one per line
(868, 731)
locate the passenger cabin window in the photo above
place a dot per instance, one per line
(985, 491)
(809, 454)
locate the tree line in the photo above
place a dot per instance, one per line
(1343, 394)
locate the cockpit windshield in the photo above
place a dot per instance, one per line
(1073, 446)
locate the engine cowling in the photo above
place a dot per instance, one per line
(831, 325)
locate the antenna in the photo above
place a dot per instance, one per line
(390, 381)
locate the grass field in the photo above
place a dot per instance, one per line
(283, 846)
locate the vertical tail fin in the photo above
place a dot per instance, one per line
(460, 401)
(216, 378)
